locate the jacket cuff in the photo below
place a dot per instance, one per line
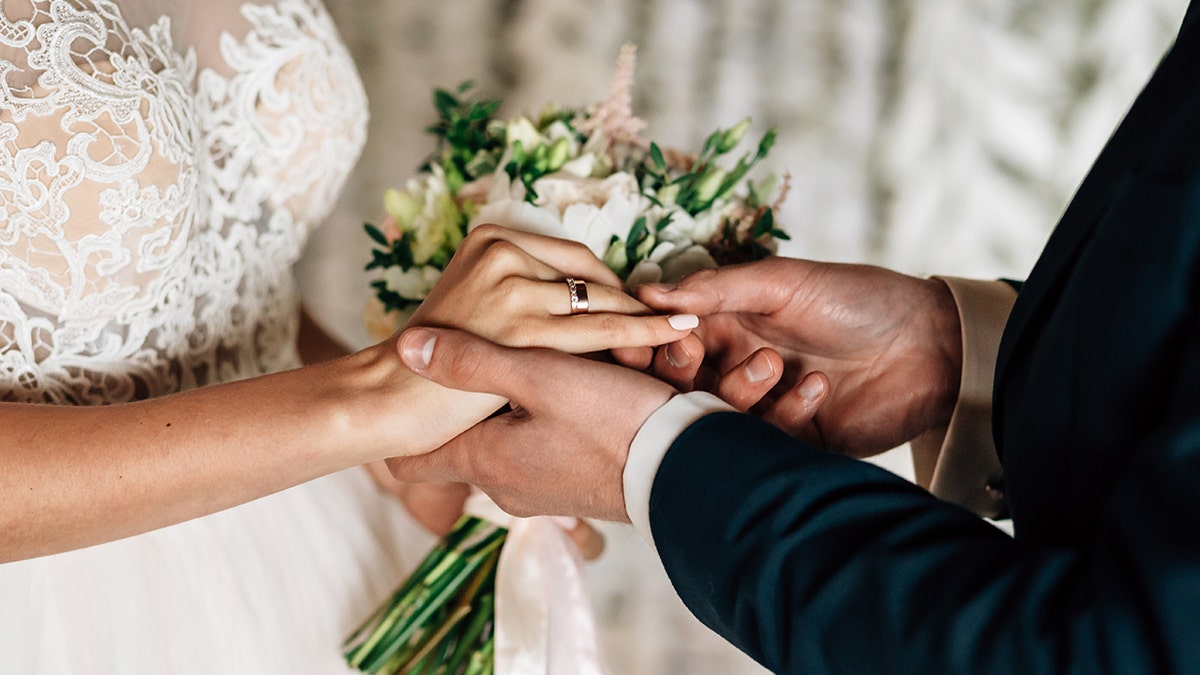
(960, 464)
(650, 445)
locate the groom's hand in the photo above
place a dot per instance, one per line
(562, 447)
(876, 353)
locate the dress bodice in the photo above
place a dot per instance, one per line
(161, 164)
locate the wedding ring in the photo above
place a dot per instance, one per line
(579, 296)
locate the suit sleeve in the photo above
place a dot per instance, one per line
(815, 563)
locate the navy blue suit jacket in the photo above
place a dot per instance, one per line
(814, 563)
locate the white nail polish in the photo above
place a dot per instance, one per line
(565, 523)
(683, 321)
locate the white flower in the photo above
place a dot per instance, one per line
(587, 210)
(668, 263)
(412, 284)
(559, 130)
(506, 206)
(522, 131)
(699, 228)
(593, 210)
(426, 211)
(583, 166)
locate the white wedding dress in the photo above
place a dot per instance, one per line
(161, 164)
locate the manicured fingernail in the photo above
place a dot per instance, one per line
(683, 321)
(758, 369)
(811, 387)
(677, 355)
(565, 522)
(417, 350)
(662, 288)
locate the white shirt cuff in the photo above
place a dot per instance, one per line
(967, 469)
(650, 445)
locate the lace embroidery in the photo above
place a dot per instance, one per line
(153, 209)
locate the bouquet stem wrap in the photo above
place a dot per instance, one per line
(544, 619)
(499, 594)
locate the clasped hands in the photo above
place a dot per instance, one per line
(856, 359)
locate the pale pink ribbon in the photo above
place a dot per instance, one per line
(544, 619)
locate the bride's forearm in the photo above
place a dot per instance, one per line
(76, 476)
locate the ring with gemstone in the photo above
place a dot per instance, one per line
(579, 296)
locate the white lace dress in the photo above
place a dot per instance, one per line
(161, 164)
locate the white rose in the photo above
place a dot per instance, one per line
(593, 210)
(587, 210)
(506, 206)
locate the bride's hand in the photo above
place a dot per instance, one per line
(509, 287)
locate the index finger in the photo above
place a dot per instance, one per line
(758, 287)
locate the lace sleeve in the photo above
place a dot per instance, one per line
(152, 205)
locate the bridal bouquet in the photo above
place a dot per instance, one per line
(587, 174)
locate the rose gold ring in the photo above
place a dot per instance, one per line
(579, 296)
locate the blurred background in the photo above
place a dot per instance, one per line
(931, 136)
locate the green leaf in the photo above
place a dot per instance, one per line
(403, 251)
(380, 260)
(765, 145)
(656, 156)
(764, 225)
(710, 144)
(531, 195)
(445, 103)
(638, 234)
(377, 235)
(664, 222)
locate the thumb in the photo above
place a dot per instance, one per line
(757, 287)
(460, 360)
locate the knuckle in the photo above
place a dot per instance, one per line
(484, 233)
(501, 256)
(512, 292)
